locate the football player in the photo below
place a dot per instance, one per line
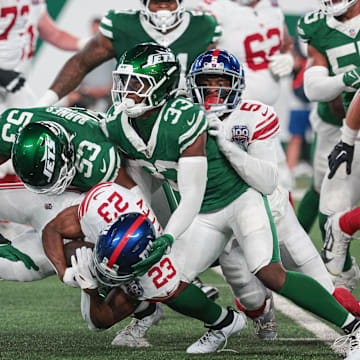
(261, 42)
(162, 21)
(23, 21)
(58, 217)
(166, 135)
(238, 134)
(342, 225)
(328, 32)
(57, 147)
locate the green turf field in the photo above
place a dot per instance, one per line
(42, 321)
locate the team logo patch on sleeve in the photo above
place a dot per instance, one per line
(134, 289)
(240, 134)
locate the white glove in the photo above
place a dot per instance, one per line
(281, 64)
(217, 130)
(69, 278)
(82, 267)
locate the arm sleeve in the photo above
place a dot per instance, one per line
(319, 86)
(192, 177)
(258, 166)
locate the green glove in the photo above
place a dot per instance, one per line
(7, 251)
(158, 249)
(352, 78)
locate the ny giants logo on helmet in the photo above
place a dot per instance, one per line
(49, 158)
(240, 134)
(159, 58)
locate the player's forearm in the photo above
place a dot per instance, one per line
(192, 177)
(319, 86)
(99, 315)
(70, 76)
(350, 129)
(54, 250)
(260, 173)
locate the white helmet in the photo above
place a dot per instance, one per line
(163, 20)
(336, 8)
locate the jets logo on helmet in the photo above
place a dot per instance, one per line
(145, 78)
(121, 245)
(43, 157)
(160, 57)
(49, 158)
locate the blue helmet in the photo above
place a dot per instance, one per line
(123, 244)
(218, 63)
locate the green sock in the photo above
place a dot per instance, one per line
(308, 209)
(322, 220)
(310, 295)
(194, 303)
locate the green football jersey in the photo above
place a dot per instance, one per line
(174, 128)
(197, 31)
(337, 41)
(97, 160)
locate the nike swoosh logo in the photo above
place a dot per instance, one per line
(342, 152)
(192, 121)
(265, 113)
(103, 169)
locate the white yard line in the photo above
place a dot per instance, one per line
(322, 331)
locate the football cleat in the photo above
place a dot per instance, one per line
(215, 336)
(265, 325)
(335, 246)
(210, 291)
(133, 335)
(349, 345)
(348, 279)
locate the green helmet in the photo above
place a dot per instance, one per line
(43, 157)
(149, 71)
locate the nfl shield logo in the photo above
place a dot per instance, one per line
(352, 32)
(48, 206)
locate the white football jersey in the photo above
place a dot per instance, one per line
(252, 122)
(31, 34)
(253, 35)
(22, 206)
(102, 205)
(14, 15)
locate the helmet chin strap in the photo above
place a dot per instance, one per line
(212, 104)
(131, 108)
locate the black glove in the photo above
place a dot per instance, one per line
(11, 81)
(342, 152)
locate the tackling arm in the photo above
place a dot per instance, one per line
(258, 166)
(192, 177)
(97, 50)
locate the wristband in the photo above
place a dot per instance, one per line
(81, 43)
(348, 135)
(49, 98)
